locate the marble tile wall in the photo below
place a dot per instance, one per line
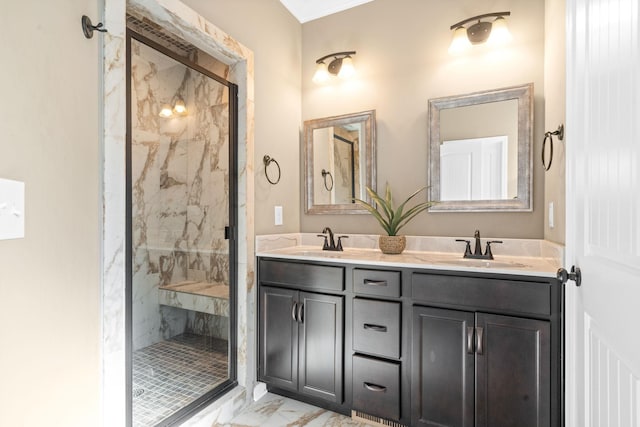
(180, 181)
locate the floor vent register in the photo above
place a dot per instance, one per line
(374, 420)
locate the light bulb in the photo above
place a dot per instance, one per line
(347, 70)
(322, 74)
(166, 111)
(179, 107)
(499, 32)
(460, 42)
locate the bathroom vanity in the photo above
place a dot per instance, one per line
(422, 339)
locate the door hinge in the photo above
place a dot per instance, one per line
(228, 233)
(576, 275)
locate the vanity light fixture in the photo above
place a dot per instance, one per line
(341, 65)
(480, 32)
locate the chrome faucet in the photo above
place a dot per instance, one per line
(329, 243)
(477, 253)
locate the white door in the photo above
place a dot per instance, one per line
(603, 213)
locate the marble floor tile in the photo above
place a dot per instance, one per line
(277, 411)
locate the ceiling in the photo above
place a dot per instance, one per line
(308, 10)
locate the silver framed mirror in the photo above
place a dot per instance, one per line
(480, 151)
(340, 161)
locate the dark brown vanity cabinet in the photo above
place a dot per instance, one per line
(413, 347)
(472, 368)
(301, 332)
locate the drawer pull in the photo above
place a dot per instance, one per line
(375, 282)
(470, 339)
(374, 387)
(377, 328)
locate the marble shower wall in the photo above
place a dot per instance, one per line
(180, 182)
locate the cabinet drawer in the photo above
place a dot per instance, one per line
(301, 275)
(376, 327)
(376, 387)
(483, 294)
(376, 282)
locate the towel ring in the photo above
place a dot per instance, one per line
(267, 161)
(549, 136)
(324, 176)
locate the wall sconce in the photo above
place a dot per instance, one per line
(179, 108)
(341, 65)
(493, 33)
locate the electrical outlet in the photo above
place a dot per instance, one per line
(277, 213)
(551, 219)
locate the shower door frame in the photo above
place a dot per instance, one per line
(231, 233)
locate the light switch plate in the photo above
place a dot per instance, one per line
(278, 215)
(11, 209)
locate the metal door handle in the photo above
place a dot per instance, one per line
(479, 338)
(301, 313)
(293, 311)
(470, 339)
(375, 282)
(575, 275)
(374, 387)
(377, 328)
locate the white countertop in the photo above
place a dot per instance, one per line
(528, 257)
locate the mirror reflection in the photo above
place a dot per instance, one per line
(479, 154)
(339, 159)
(480, 150)
(336, 151)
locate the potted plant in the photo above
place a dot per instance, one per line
(392, 219)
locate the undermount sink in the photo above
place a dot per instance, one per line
(485, 263)
(310, 252)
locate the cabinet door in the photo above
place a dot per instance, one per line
(442, 368)
(278, 337)
(512, 372)
(321, 348)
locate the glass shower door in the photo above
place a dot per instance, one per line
(181, 192)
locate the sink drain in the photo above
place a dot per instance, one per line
(137, 392)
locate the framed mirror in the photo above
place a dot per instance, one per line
(480, 151)
(340, 161)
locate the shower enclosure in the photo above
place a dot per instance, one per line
(181, 214)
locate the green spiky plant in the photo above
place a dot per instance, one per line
(392, 220)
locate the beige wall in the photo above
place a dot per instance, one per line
(50, 280)
(554, 77)
(274, 35)
(402, 62)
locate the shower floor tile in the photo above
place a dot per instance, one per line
(171, 374)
